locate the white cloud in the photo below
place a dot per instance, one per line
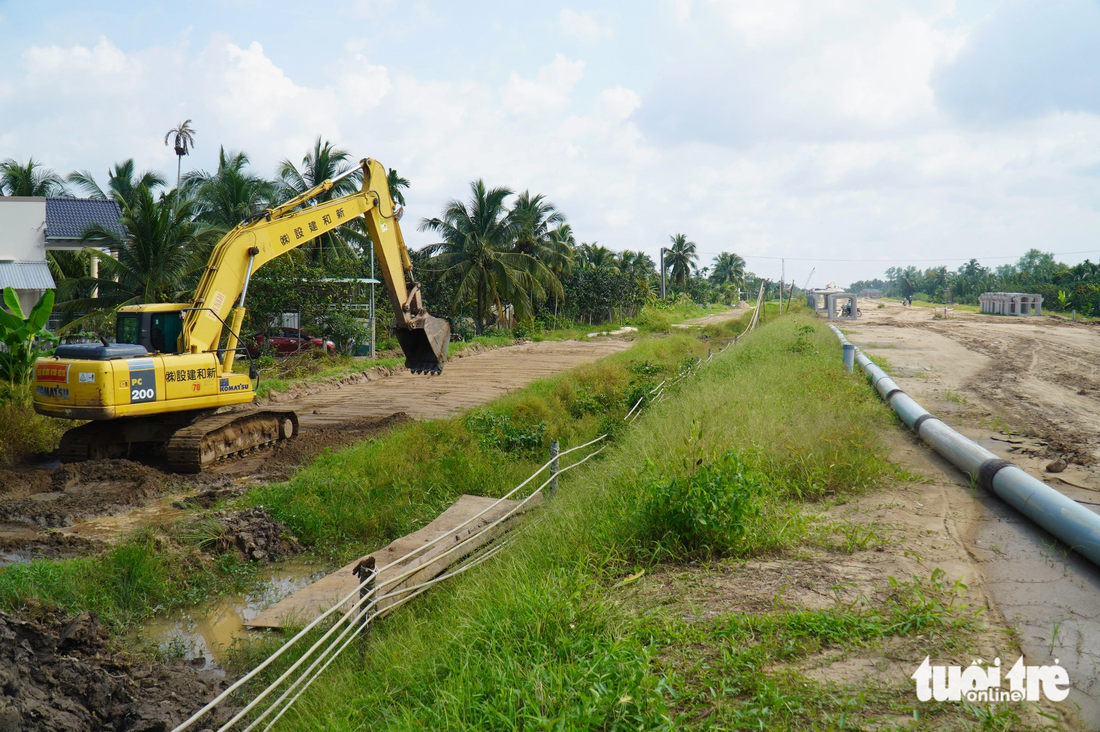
(735, 73)
(619, 102)
(548, 92)
(812, 134)
(582, 26)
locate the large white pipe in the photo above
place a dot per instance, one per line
(1072, 523)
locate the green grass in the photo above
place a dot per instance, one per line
(142, 576)
(360, 497)
(540, 637)
(369, 494)
(26, 433)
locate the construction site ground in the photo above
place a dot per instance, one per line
(1026, 389)
(65, 510)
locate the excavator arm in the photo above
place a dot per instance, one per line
(279, 230)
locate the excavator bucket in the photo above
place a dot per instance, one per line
(426, 347)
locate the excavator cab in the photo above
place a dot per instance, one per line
(155, 326)
(426, 346)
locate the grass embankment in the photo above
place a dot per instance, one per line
(549, 636)
(364, 496)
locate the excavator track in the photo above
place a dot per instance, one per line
(211, 439)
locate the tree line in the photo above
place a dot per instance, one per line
(1063, 287)
(501, 256)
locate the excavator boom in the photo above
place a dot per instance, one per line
(165, 379)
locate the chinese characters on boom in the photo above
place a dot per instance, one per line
(299, 232)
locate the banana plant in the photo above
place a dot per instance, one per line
(25, 336)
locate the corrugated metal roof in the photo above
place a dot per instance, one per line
(26, 276)
(67, 218)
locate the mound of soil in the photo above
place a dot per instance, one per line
(254, 536)
(310, 443)
(60, 675)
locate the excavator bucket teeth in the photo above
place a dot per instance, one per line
(426, 348)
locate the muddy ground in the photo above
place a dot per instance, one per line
(58, 510)
(59, 674)
(1027, 389)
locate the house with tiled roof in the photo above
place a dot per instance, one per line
(31, 226)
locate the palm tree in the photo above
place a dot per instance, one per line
(159, 256)
(230, 195)
(477, 254)
(396, 183)
(681, 258)
(183, 139)
(594, 256)
(122, 182)
(729, 269)
(324, 162)
(29, 179)
(539, 232)
(637, 264)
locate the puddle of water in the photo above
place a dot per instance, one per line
(207, 631)
(110, 528)
(6, 560)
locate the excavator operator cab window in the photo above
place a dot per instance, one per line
(164, 331)
(128, 329)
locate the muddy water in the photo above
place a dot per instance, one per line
(207, 631)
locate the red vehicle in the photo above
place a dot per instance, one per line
(287, 342)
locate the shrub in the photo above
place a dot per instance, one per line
(25, 433)
(702, 513)
(500, 432)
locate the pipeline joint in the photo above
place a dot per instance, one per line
(988, 470)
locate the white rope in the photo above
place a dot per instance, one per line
(660, 396)
(356, 629)
(371, 592)
(251, 674)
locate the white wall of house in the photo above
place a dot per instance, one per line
(22, 229)
(23, 237)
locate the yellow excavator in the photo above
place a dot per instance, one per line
(168, 376)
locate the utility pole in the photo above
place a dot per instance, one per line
(782, 280)
(663, 293)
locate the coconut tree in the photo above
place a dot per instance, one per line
(122, 182)
(729, 269)
(396, 184)
(595, 256)
(538, 231)
(681, 259)
(183, 139)
(324, 162)
(477, 254)
(159, 256)
(229, 195)
(29, 179)
(637, 264)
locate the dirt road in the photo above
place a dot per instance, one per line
(1027, 390)
(64, 510)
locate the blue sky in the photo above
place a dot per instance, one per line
(848, 129)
